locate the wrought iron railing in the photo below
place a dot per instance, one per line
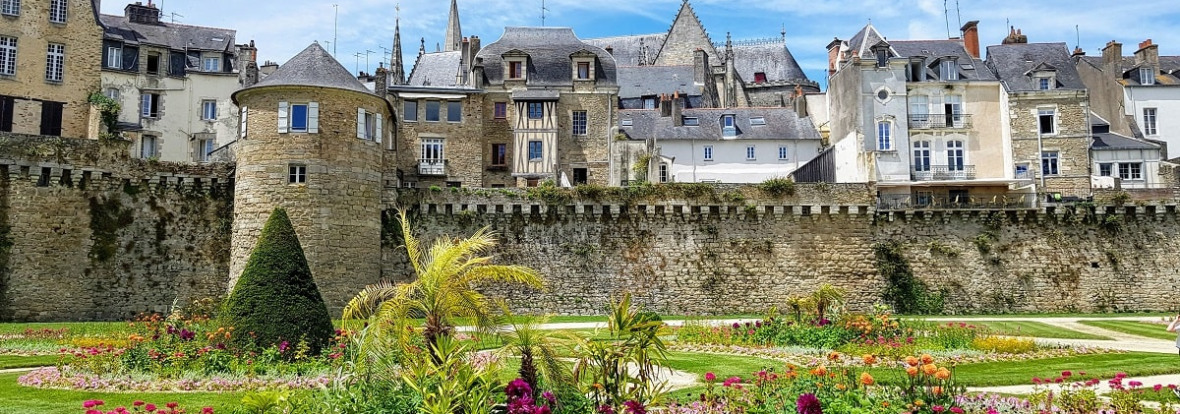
(432, 167)
(958, 202)
(940, 121)
(943, 173)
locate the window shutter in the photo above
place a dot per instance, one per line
(242, 130)
(379, 124)
(360, 123)
(313, 117)
(283, 124)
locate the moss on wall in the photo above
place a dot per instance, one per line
(107, 217)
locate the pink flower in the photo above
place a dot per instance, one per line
(957, 410)
(710, 377)
(150, 407)
(207, 410)
(731, 381)
(1066, 374)
(937, 409)
(137, 403)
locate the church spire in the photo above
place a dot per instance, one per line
(396, 68)
(454, 33)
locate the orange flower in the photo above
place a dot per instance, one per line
(919, 403)
(819, 371)
(929, 369)
(943, 374)
(869, 359)
(841, 387)
(936, 390)
(819, 385)
(911, 361)
(834, 355)
(866, 379)
(912, 371)
(885, 404)
(927, 359)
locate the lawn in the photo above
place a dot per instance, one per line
(13, 361)
(1150, 330)
(1022, 372)
(15, 399)
(1030, 328)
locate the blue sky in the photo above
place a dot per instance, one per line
(282, 28)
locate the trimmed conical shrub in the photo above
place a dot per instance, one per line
(276, 299)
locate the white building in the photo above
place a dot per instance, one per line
(173, 82)
(1121, 161)
(1139, 95)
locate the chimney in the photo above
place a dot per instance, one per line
(247, 64)
(833, 55)
(610, 50)
(464, 61)
(1148, 53)
(1015, 37)
(1112, 53)
(1078, 52)
(381, 81)
(677, 109)
(800, 102)
(700, 65)
(138, 13)
(970, 33)
(665, 106)
(477, 74)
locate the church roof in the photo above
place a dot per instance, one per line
(769, 57)
(314, 66)
(549, 51)
(440, 69)
(628, 50)
(1016, 64)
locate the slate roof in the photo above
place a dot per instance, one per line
(862, 42)
(171, 35)
(771, 58)
(1015, 65)
(627, 49)
(932, 50)
(1168, 74)
(314, 66)
(1112, 141)
(640, 81)
(781, 123)
(439, 69)
(549, 51)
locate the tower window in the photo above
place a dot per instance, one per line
(296, 174)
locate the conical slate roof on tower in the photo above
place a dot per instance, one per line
(314, 66)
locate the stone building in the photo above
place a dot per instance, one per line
(1137, 94)
(921, 118)
(49, 64)
(314, 143)
(1048, 115)
(173, 82)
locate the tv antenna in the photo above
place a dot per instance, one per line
(367, 53)
(543, 10)
(385, 53)
(1078, 30)
(174, 16)
(358, 61)
(946, 13)
(335, 26)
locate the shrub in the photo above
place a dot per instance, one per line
(778, 187)
(1004, 345)
(276, 299)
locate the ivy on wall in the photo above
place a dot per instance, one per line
(907, 294)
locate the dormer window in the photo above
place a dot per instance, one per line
(583, 65)
(759, 77)
(882, 58)
(1146, 76)
(515, 65)
(948, 69)
(917, 71)
(1044, 84)
(515, 70)
(728, 127)
(583, 70)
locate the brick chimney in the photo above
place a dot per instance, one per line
(1148, 53)
(1112, 53)
(1078, 52)
(139, 13)
(1015, 37)
(665, 106)
(702, 72)
(677, 109)
(971, 38)
(833, 55)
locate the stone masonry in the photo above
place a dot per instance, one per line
(1071, 140)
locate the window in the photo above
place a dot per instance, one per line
(55, 61)
(921, 156)
(432, 111)
(410, 111)
(1149, 122)
(112, 93)
(581, 176)
(1049, 163)
(211, 64)
(115, 57)
(727, 126)
(579, 121)
(51, 115)
(204, 147)
(7, 110)
(501, 110)
(953, 111)
(954, 155)
(757, 121)
(299, 118)
(209, 110)
(1105, 169)
(919, 111)
(10, 7)
(149, 105)
(884, 136)
(583, 70)
(499, 155)
(692, 121)
(296, 174)
(536, 110)
(368, 125)
(782, 152)
(454, 111)
(242, 119)
(663, 172)
(515, 70)
(153, 64)
(1046, 121)
(759, 77)
(1044, 84)
(751, 155)
(1131, 170)
(7, 55)
(628, 122)
(649, 102)
(57, 11)
(432, 150)
(708, 153)
(148, 146)
(882, 58)
(535, 151)
(1146, 76)
(948, 70)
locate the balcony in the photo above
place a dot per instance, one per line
(943, 173)
(432, 167)
(940, 121)
(956, 202)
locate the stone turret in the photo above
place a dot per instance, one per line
(314, 145)
(454, 39)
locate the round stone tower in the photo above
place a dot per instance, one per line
(312, 142)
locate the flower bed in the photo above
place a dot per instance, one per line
(816, 357)
(52, 377)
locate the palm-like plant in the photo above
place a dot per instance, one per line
(537, 349)
(445, 288)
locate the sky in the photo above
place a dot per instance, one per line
(282, 28)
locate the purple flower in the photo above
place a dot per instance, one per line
(606, 409)
(548, 396)
(808, 404)
(634, 407)
(518, 388)
(283, 346)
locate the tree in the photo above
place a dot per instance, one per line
(276, 298)
(445, 288)
(538, 351)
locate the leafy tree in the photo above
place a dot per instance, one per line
(276, 298)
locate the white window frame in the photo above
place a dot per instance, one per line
(369, 125)
(296, 174)
(204, 148)
(751, 153)
(112, 93)
(1050, 161)
(215, 67)
(1126, 172)
(433, 149)
(692, 121)
(208, 109)
(1045, 83)
(115, 57)
(884, 135)
(1050, 112)
(10, 8)
(1146, 76)
(757, 121)
(58, 10)
(956, 155)
(55, 61)
(708, 152)
(147, 101)
(8, 53)
(1150, 121)
(579, 121)
(245, 112)
(921, 156)
(1106, 169)
(286, 118)
(663, 172)
(728, 125)
(783, 154)
(147, 151)
(948, 70)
